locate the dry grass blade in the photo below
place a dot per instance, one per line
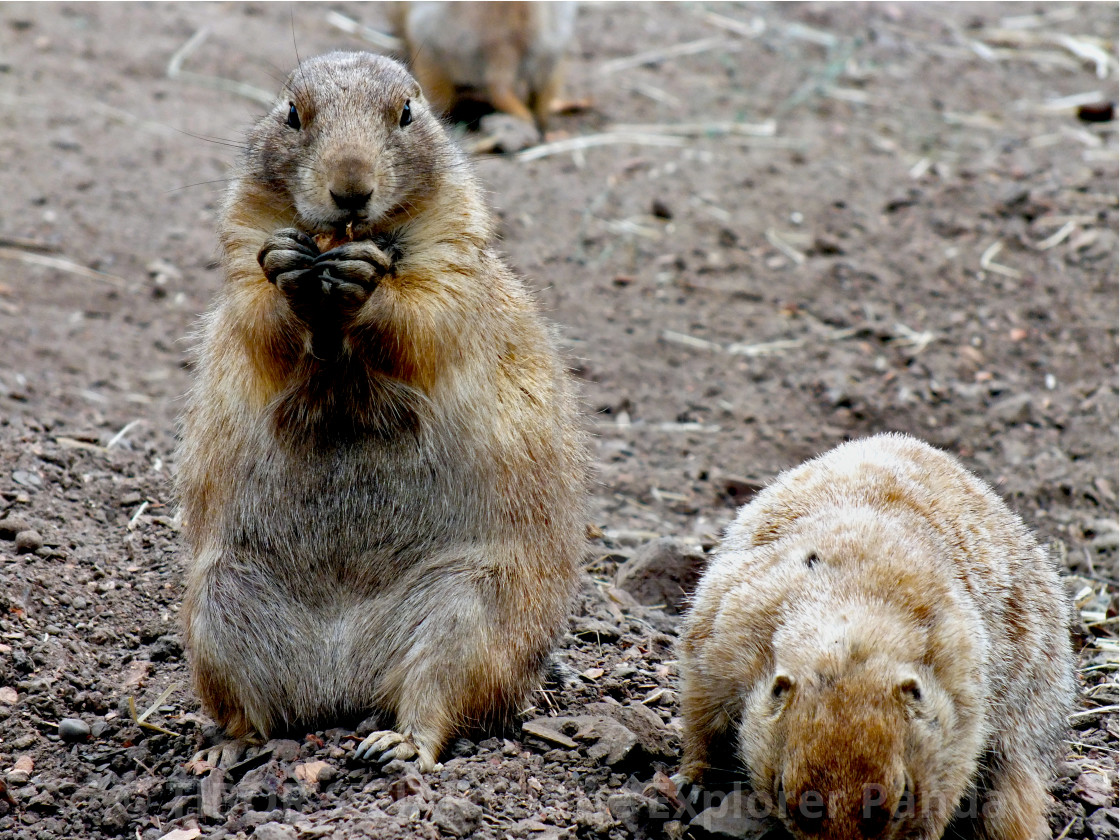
(800, 32)
(770, 348)
(775, 239)
(1087, 51)
(1017, 44)
(588, 141)
(1068, 103)
(767, 348)
(661, 53)
(25, 244)
(690, 341)
(1047, 18)
(1056, 238)
(72, 443)
(124, 117)
(351, 27)
(751, 29)
(987, 262)
(159, 702)
(61, 264)
(920, 168)
(845, 94)
(1065, 831)
(656, 94)
(175, 71)
(119, 436)
(906, 336)
(136, 516)
(141, 720)
(1089, 714)
(712, 129)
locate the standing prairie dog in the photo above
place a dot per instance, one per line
(507, 54)
(884, 641)
(381, 473)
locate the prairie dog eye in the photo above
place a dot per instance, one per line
(406, 113)
(293, 117)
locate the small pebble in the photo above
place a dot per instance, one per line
(660, 209)
(12, 525)
(27, 479)
(28, 541)
(72, 730)
(1097, 112)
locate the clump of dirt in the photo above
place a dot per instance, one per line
(828, 220)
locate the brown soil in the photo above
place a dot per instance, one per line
(926, 243)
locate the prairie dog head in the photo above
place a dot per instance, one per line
(848, 722)
(350, 141)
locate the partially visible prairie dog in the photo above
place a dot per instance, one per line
(882, 639)
(509, 55)
(381, 471)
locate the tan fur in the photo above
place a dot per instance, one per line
(506, 54)
(876, 626)
(396, 525)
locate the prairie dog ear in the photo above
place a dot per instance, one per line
(780, 689)
(910, 690)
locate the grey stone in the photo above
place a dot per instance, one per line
(661, 573)
(115, 817)
(735, 815)
(594, 630)
(632, 810)
(1012, 410)
(1104, 823)
(410, 784)
(275, 831)
(283, 749)
(407, 808)
(12, 525)
(1094, 790)
(28, 541)
(455, 816)
(72, 730)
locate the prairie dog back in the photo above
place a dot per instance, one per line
(882, 639)
(508, 54)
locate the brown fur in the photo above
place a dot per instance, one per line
(384, 501)
(506, 54)
(881, 637)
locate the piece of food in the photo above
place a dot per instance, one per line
(326, 241)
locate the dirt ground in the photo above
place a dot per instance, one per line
(832, 220)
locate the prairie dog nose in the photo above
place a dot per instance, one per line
(351, 201)
(351, 184)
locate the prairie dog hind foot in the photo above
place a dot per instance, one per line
(385, 745)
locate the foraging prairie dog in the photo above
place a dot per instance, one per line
(507, 54)
(381, 471)
(882, 639)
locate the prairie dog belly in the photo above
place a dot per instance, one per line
(366, 516)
